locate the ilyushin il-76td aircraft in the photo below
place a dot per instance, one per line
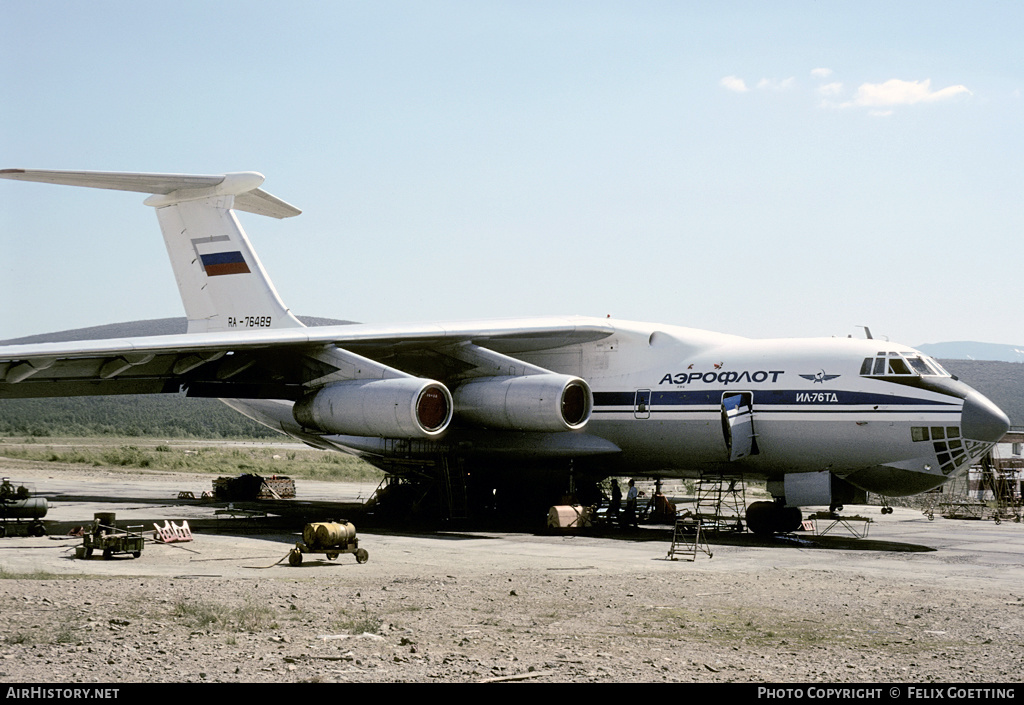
(518, 408)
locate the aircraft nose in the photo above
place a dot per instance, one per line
(981, 420)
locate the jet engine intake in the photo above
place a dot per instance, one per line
(405, 407)
(545, 402)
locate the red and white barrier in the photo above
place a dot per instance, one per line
(171, 532)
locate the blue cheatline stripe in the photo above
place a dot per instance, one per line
(769, 398)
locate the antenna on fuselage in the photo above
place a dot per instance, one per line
(867, 332)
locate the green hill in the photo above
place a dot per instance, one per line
(161, 415)
(1002, 382)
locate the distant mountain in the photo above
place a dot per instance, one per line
(134, 329)
(969, 350)
(1002, 382)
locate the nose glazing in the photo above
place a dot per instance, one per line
(981, 420)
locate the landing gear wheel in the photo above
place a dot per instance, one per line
(362, 556)
(761, 518)
(768, 518)
(295, 557)
(790, 519)
(37, 529)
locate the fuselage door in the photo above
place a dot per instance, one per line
(738, 424)
(642, 404)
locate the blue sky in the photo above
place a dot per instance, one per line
(763, 169)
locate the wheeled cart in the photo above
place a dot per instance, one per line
(106, 537)
(330, 539)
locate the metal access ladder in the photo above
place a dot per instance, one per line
(721, 502)
(688, 538)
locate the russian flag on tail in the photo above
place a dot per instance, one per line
(218, 263)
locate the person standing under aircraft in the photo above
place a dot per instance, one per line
(616, 505)
(631, 495)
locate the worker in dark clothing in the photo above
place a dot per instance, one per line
(616, 506)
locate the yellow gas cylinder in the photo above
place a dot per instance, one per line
(328, 534)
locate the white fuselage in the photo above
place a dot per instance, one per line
(660, 392)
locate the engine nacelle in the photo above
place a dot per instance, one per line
(545, 402)
(404, 407)
(813, 488)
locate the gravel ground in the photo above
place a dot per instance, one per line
(898, 607)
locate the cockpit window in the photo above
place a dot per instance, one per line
(898, 366)
(901, 365)
(920, 366)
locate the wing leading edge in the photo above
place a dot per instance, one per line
(262, 364)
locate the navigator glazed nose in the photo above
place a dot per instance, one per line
(981, 420)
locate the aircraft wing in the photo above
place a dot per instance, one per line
(276, 363)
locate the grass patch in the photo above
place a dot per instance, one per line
(739, 626)
(34, 575)
(251, 616)
(358, 622)
(195, 457)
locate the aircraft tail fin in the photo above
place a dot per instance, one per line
(222, 283)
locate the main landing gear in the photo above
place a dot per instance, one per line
(767, 518)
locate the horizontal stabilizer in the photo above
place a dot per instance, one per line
(176, 187)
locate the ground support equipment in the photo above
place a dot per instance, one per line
(688, 538)
(104, 536)
(330, 539)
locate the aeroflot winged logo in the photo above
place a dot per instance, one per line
(819, 377)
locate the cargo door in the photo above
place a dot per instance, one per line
(738, 424)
